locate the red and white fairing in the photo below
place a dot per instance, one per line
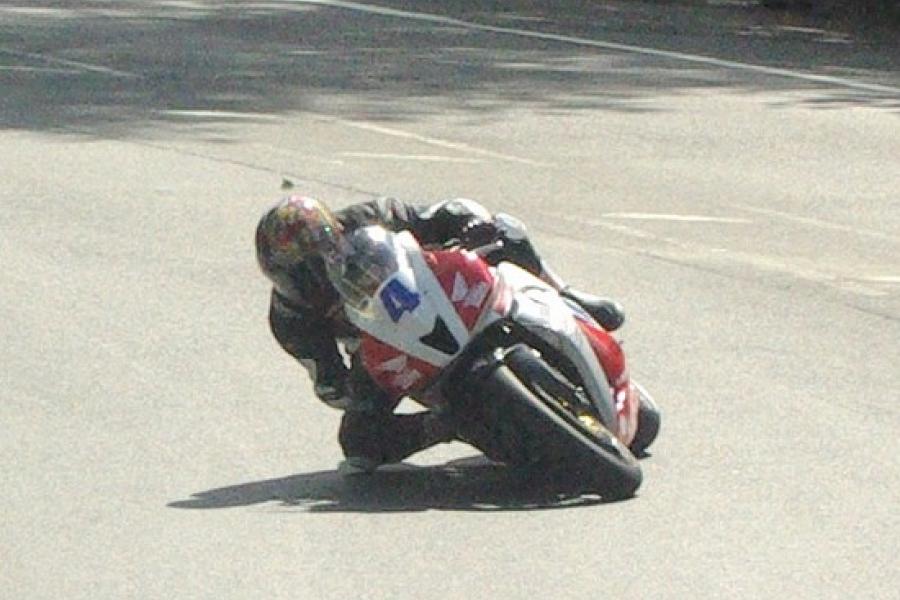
(568, 328)
(448, 296)
(453, 286)
(612, 360)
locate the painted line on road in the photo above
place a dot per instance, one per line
(888, 279)
(819, 223)
(53, 70)
(411, 157)
(568, 39)
(217, 114)
(673, 217)
(431, 141)
(698, 253)
(71, 63)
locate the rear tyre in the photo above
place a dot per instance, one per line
(546, 435)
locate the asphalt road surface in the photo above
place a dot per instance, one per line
(732, 176)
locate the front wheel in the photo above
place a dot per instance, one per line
(547, 433)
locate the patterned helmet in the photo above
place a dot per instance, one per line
(290, 236)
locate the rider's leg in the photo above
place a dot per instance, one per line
(371, 439)
(606, 311)
(518, 249)
(371, 434)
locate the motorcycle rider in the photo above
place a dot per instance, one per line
(295, 238)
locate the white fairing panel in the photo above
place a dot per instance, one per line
(408, 305)
(544, 312)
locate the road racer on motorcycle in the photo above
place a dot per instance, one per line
(296, 237)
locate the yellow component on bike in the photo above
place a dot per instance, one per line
(590, 422)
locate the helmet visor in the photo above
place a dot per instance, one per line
(366, 261)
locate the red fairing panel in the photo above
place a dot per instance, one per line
(393, 370)
(612, 359)
(466, 280)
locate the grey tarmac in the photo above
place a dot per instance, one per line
(731, 175)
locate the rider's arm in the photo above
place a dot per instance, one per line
(445, 221)
(430, 224)
(302, 333)
(449, 220)
(309, 338)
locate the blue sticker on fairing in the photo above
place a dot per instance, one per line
(398, 299)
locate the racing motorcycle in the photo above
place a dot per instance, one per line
(532, 379)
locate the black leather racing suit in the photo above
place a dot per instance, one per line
(309, 329)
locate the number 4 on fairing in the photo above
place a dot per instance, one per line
(398, 299)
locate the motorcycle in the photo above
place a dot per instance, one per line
(529, 375)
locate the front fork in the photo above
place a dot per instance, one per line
(540, 311)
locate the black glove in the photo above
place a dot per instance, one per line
(479, 233)
(331, 383)
(511, 233)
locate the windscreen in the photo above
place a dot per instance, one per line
(367, 263)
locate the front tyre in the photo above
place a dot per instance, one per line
(550, 436)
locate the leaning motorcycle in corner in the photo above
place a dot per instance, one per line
(531, 379)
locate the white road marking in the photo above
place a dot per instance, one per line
(71, 63)
(813, 222)
(672, 217)
(216, 114)
(419, 16)
(693, 58)
(889, 279)
(459, 146)
(59, 13)
(681, 250)
(54, 70)
(412, 157)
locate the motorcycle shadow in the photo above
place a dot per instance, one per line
(469, 484)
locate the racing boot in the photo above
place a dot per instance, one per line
(607, 312)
